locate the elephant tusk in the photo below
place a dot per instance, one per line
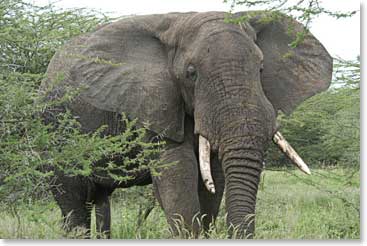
(287, 149)
(204, 161)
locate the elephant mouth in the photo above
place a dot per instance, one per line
(278, 139)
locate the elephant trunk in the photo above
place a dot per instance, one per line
(242, 167)
(244, 138)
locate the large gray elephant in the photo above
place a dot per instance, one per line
(211, 88)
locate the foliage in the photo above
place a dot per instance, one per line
(30, 35)
(305, 11)
(302, 10)
(30, 149)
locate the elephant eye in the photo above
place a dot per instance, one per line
(261, 67)
(191, 73)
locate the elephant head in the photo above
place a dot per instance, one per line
(231, 79)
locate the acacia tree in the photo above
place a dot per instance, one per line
(304, 11)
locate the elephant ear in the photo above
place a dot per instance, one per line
(290, 74)
(122, 67)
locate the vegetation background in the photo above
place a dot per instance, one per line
(325, 130)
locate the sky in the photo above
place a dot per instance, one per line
(340, 37)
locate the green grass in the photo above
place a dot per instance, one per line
(322, 206)
(290, 205)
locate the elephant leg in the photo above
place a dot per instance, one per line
(103, 212)
(176, 189)
(210, 203)
(78, 217)
(73, 195)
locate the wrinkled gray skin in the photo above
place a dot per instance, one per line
(189, 74)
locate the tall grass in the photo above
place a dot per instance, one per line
(290, 206)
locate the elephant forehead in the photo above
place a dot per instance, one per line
(188, 28)
(198, 19)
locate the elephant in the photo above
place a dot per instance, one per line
(211, 88)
